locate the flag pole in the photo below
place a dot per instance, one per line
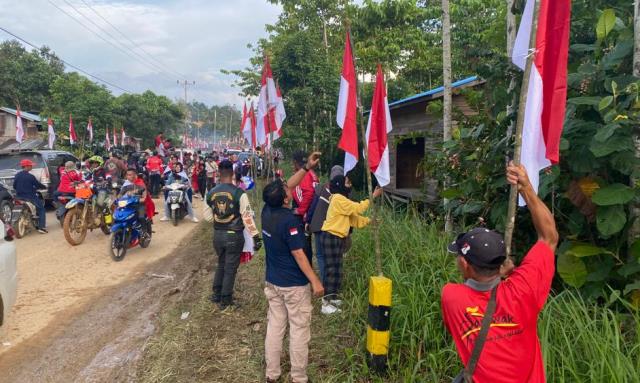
(513, 193)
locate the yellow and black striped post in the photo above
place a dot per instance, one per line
(378, 322)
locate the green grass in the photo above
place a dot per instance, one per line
(581, 341)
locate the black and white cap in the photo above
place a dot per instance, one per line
(480, 247)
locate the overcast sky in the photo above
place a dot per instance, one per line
(195, 38)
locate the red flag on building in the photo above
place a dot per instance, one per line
(377, 128)
(73, 138)
(547, 93)
(347, 108)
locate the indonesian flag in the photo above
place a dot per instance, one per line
(244, 117)
(52, 133)
(19, 128)
(246, 127)
(547, 95)
(377, 128)
(123, 137)
(266, 102)
(115, 137)
(107, 140)
(90, 130)
(279, 114)
(254, 127)
(73, 138)
(347, 105)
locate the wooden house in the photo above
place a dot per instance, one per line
(31, 123)
(416, 133)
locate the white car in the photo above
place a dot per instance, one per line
(8, 271)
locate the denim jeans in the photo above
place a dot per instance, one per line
(40, 210)
(228, 246)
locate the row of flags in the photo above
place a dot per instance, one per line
(265, 126)
(73, 137)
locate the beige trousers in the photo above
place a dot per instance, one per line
(290, 305)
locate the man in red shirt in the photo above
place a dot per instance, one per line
(303, 195)
(155, 167)
(511, 353)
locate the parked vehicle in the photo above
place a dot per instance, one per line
(177, 199)
(46, 165)
(6, 203)
(90, 209)
(8, 271)
(24, 217)
(127, 231)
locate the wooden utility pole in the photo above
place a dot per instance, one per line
(511, 38)
(636, 38)
(524, 90)
(447, 98)
(186, 84)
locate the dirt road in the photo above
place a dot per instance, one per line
(58, 281)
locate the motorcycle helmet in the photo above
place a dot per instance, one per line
(97, 159)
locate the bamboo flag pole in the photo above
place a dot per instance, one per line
(513, 193)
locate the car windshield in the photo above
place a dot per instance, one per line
(12, 161)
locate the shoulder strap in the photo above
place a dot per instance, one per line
(482, 337)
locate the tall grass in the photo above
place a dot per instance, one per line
(581, 341)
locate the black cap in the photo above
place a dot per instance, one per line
(226, 165)
(480, 247)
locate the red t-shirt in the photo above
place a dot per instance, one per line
(67, 178)
(304, 192)
(512, 352)
(155, 164)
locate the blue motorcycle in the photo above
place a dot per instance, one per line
(127, 231)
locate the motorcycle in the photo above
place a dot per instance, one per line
(89, 210)
(127, 231)
(177, 199)
(24, 217)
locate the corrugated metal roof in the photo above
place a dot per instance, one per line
(23, 114)
(432, 92)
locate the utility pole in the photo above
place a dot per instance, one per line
(186, 84)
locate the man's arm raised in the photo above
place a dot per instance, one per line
(297, 177)
(542, 218)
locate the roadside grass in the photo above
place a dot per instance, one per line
(581, 341)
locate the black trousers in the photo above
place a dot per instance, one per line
(307, 240)
(155, 180)
(228, 246)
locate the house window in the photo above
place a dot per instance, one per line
(409, 154)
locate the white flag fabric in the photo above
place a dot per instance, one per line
(90, 130)
(19, 128)
(51, 132)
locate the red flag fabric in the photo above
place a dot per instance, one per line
(115, 138)
(107, 140)
(347, 107)
(377, 128)
(51, 133)
(19, 128)
(90, 130)
(73, 138)
(547, 93)
(254, 127)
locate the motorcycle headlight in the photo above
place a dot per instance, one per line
(114, 185)
(122, 203)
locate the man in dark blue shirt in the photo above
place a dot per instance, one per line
(288, 276)
(26, 187)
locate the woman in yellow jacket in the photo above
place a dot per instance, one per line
(342, 215)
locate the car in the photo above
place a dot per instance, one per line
(46, 167)
(8, 271)
(6, 202)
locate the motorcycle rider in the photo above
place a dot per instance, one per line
(155, 167)
(67, 187)
(135, 185)
(114, 166)
(96, 171)
(178, 175)
(231, 214)
(26, 187)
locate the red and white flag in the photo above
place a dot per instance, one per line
(115, 138)
(123, 137)
(73, 138)
(267, 101)
(347, 108)
(279, 114)
(107, 140)
(246, 127)
(19, 128)
(51, 132)
(254, 127)
(90, 130)
(547, 95)
(377, 128)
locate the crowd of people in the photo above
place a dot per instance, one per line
(300, 207)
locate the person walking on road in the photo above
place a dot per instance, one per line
(512, 350)
(288, 276)
(155, 168)
(26, 187)
(232, 212)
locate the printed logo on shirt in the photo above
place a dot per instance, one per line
(473, 323)
(293, 231)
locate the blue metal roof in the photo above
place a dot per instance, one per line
(433, 91)
(23, 114)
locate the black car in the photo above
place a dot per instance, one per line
(6, 203)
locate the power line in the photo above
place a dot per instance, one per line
(67, 63)
(131, 41)
(115, 39)
(95, 33)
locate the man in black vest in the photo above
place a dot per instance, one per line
(231, 214)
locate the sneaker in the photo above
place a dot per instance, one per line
(328, 309)
(43, 231)
(215, 298)
(164, 219)
(336, 302)
(194, 219)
